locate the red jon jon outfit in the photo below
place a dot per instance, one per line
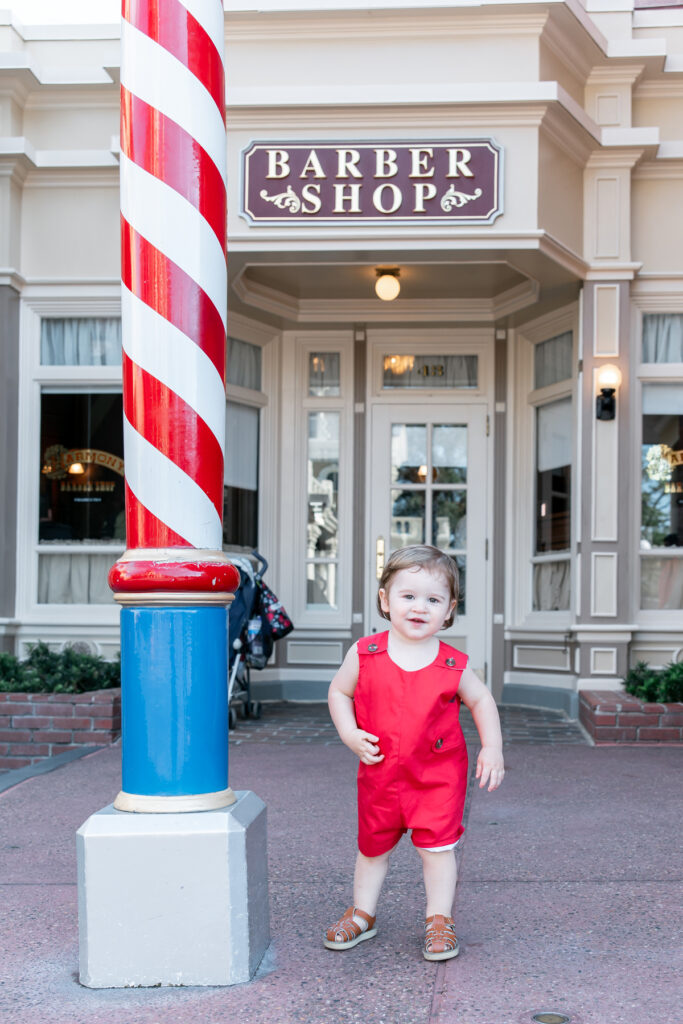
(422, 781)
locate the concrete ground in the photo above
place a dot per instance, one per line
(569, 899)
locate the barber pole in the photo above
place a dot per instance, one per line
(173, 582)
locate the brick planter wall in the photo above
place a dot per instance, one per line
(613, 717)
(34, 726)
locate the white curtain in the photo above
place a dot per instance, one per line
(74, 579)
(553, 435)
(663, 338)
(243, 364)
(81, 341)
(551, 586)
(241, 446)
(661, 583)
(553, 360)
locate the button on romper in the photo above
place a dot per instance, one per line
(422, 781)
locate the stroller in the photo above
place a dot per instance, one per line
(255, 620)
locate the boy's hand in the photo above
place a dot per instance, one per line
(490, 767)
(365, 746)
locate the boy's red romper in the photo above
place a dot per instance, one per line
(422, 781)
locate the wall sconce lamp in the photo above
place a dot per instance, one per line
(609, 379)
(387, 285)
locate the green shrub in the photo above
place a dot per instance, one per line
(46, 671)
(656, 686)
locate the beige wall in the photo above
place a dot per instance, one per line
(560, 195)
(657, 203)
(76, 237)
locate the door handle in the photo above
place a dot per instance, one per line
(379, 557)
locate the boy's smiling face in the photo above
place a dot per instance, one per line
(417, 602)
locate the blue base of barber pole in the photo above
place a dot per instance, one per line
(174, 706)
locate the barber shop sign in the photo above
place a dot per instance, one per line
(460, 180)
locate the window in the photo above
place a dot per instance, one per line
(241, 471)
(322, 532)
(661, 528)
(81, 505)
(553, 473)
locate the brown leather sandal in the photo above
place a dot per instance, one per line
(347, 932)
(441, 942)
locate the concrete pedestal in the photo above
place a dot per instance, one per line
(173, 899)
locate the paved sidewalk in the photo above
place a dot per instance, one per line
(569, 897)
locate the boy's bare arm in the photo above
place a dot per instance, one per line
(478, 699)
(340, 702)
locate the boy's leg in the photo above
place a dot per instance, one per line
(440, 875)
(367, 881)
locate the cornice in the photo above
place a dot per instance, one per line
(606, 271)
(11, 278)
(276, 26)
(615, 74)
(615, 159)
(659, 89)
(669, 170)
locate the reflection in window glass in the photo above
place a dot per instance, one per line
(553, 476)
(661, 524)
(408, 453)
(449, 454)
(323, 374)
(80, 341)
(82, 495)
(461, 562)
(322, 534)
(553, 360)
(82, 492)
(449, 520)
(407, 518)
(439, 371)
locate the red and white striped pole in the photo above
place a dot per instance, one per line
(173, 582)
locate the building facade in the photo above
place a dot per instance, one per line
(517, 169)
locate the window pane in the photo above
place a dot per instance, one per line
(449, 520)
(407, 518)
(321, 585)
(439, 371)
(243, 364)
(323, 482)
(81, 341)
(551, 586)
(553, 360)
(81, 474)
(661, 583)
(553, 476)
(323, 374)
(662, 467)
(663, 338)
(408, 453)
(240, 517)
(449, 454)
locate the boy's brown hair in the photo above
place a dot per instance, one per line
(421, 556)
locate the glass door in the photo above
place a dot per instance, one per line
(428, 473)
